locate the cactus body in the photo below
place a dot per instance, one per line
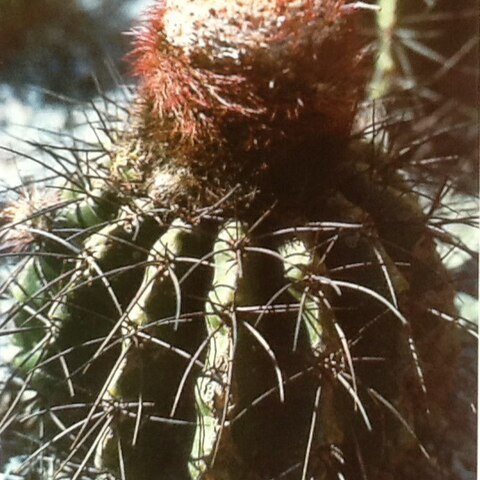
(264, 301)
(194, 344)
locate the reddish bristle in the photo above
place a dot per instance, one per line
(195, 91)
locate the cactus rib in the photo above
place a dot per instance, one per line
(214, 392)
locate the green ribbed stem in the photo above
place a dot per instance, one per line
(381, 83)
(159, 287)
(88, 210)
(228, 349)
(318, 319)
(214, 392)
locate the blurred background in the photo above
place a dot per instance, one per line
(55, 56)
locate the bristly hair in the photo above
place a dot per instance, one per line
(30, 211)
(264, 69)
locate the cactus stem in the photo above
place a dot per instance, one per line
(213, 390)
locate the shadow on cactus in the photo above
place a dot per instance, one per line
(236, 287)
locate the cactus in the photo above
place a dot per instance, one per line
(242, 289)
